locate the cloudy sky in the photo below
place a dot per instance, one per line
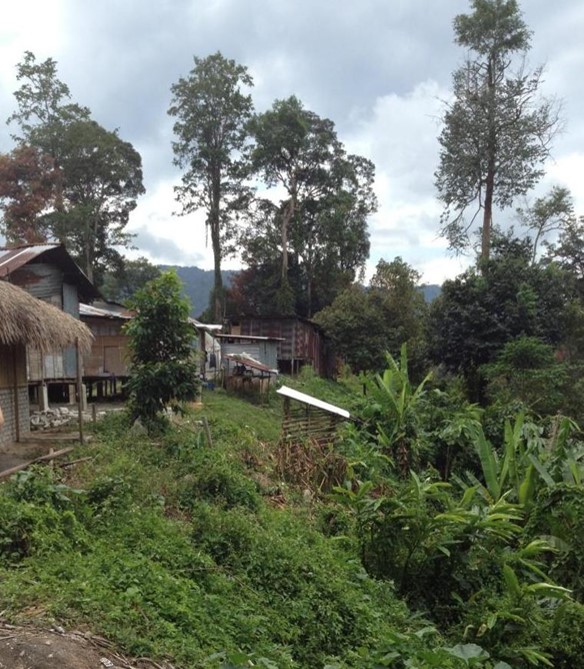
(378, 68)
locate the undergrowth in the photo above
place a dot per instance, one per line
(173, 549)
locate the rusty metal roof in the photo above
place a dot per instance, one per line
(15, 257)
(248, 361)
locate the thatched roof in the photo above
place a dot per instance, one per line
(26, 320)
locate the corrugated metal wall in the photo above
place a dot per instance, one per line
(265, 352)
(42, 281)
(303, 340)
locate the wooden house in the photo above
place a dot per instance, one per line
(301, 342)
(49, 273)
(28, 324)
(109, 359)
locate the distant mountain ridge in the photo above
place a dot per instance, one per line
(198, 284)
(430, 291)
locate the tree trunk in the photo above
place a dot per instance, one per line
(218, 279)
(286, 218)
(490, 177)
(488, 215)
(215, 225)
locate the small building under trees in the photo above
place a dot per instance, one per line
(49, 273)
(300, 342)
(108, 360)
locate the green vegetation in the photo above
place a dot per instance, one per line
(163, 363)
(211, 556)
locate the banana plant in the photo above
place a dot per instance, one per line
(522, 467)
(399, 400)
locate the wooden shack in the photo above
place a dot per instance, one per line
(28, 324)
(49, 273)
(109, 359)
(301, 342)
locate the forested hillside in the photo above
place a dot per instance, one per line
(198, 285)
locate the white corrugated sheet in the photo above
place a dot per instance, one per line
(312, 401)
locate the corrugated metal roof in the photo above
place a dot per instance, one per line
(249, 361)
(104, 311)
(248, 337)
(312, 401)
(210, 327)
(15, 257)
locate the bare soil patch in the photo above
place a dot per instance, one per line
(30, 648)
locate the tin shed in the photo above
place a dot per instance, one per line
(262, 349)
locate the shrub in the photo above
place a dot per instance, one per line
(164, 371)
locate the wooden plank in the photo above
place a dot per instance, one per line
(42, 458)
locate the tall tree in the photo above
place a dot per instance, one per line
(97, 176)
(497, 130)
(212, 111)
(43, 106)
(322, 220)
(102, 179)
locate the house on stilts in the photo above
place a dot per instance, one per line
(29, 324)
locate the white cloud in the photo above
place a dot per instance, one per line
(400, 137)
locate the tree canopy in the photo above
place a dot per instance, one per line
(76, 181)
(318, 229)
(365, 324)
(497, 130)
(211, 110)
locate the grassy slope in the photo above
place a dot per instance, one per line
(173, 549)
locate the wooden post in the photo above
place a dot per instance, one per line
(207, 431)
(16, 403)
(79, 390)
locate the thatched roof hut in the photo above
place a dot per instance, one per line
(28, 323)
(26, 320)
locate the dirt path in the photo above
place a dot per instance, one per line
(29, 648)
